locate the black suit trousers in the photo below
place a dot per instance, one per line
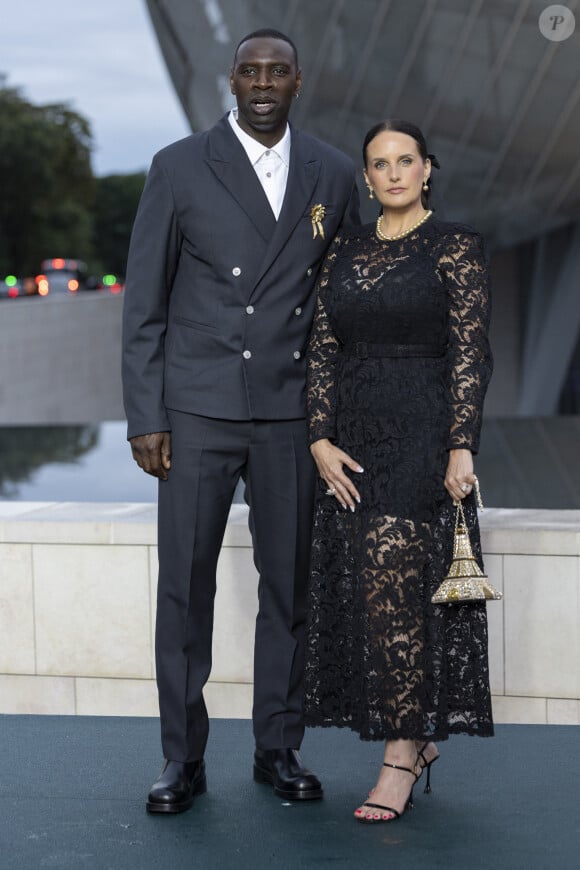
(208, 458)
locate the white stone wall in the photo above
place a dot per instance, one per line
(77, 605)
(62, 359)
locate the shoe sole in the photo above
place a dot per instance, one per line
(154, 807)
(265, 778)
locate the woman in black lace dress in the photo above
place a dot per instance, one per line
(399, 363)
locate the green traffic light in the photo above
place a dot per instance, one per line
(11, 280)
(109, 280)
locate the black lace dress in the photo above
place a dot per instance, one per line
(399, 363)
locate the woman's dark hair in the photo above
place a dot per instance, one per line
(396, 125)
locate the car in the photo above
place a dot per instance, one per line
(113, 283)
(10, 287)
(17, 288)
(61, 276)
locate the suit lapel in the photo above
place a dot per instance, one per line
(302, 177)
(229, 162)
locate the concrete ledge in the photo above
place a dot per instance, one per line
(97, 523)
(77, 603)
(77, 340)
(531, 532)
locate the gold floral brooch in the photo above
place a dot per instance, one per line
(317, 215)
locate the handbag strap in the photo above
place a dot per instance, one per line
(478, 495)
(459, 506)
(459, 512)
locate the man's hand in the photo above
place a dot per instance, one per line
(329, 461)
(152, 453)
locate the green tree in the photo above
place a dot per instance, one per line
(116, 201)
(46, 181)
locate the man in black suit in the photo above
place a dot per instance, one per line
(231, 231)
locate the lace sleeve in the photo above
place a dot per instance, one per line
(322, 350)
(464, 263)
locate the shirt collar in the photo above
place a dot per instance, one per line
(255, 149)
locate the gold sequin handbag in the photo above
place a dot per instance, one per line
(465, 581)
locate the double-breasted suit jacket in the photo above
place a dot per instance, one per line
(220, 295)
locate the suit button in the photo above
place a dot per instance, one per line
(247, 354)
(297, 312)
(297, 354)
(236, 271)
(309, 271)
(249, 309)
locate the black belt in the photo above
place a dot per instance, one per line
(362, 350)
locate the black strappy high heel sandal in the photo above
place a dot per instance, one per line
(396, 813)
(426, 766)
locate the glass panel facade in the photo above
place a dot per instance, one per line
(499, 101)
(500, 106)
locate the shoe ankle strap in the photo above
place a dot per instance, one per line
(398, 767)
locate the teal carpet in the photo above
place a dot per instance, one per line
(72, 793)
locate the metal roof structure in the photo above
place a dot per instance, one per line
(499, 102)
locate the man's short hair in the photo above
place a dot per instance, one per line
(267, 33)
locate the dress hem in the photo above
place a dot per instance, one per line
(435, 736)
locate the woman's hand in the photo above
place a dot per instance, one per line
(459, 478)
(329, 461)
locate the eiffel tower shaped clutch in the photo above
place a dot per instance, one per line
(465, 581)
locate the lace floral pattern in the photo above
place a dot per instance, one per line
(399, 363)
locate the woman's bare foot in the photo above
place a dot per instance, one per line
(394, 785)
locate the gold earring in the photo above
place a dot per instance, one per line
(425, 185)
(371, 192)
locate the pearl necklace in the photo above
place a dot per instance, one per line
(385, 238)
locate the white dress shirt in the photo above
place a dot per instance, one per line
(270, 164)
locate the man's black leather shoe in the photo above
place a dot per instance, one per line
(178, 784)
(283, 768)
